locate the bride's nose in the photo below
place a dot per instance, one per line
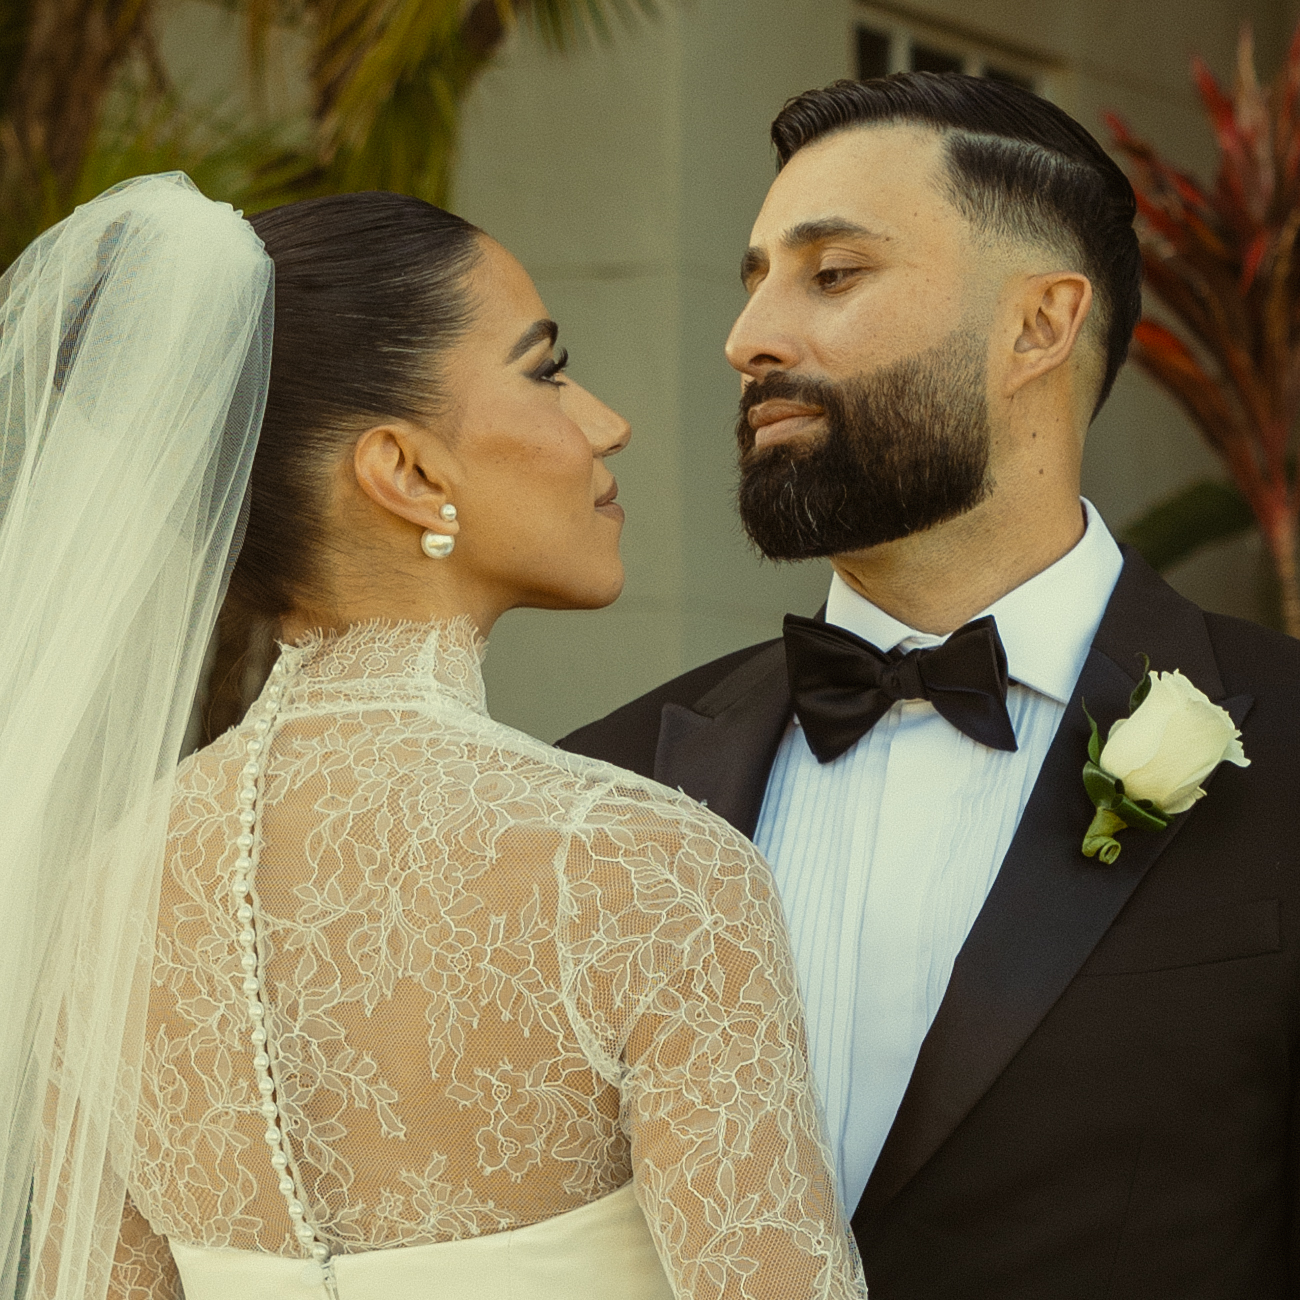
(606, 430)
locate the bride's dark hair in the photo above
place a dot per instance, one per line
(369, 291)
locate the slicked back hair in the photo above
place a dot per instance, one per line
(1018, 168)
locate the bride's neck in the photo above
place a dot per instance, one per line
(383, 588)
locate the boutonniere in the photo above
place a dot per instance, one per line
(1154, 761)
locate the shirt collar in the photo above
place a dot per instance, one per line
(1046, 624)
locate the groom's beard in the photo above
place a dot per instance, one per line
(903, 448)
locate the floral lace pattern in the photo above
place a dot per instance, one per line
(500, 980)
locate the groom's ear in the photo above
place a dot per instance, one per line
(1048, 313)
(406, 471)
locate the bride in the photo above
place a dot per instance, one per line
(373, 998)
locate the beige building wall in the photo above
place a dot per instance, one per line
(626, 179)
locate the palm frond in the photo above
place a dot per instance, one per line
(565, 24)
(389, 76)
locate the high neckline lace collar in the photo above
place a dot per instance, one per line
(387, 663)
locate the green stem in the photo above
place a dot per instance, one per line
(1100, 841)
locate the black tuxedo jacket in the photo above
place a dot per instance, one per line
(1106, 1105)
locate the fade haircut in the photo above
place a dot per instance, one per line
(1018, 168)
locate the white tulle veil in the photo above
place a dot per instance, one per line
(135, 343)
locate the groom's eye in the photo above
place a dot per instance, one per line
(835, 277)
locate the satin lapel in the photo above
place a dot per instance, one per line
(720, 750)
(1050, 905)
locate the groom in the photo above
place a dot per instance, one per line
(1045, 1076)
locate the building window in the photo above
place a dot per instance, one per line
(885, 41)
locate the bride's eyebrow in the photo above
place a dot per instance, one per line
(538, 331)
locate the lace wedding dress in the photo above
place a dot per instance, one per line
(460, 1015)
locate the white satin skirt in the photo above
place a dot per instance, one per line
(600, 1251)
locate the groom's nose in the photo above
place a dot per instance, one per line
(764, 338)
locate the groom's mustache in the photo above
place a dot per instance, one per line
(817, 394)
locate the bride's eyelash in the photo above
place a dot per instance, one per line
(552, 367)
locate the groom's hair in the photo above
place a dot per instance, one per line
(1018, 168)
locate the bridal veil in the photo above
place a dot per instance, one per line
(135, 342)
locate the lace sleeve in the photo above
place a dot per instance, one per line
(143, 1268)
(687, 984)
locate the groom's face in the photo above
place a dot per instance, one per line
(863, 350)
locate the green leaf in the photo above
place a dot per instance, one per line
(1103, 789)
(1143, 688)
(1141, 815)
(1181, 524)
(1094, 741)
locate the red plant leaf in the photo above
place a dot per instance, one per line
(1238, 197)
(1168, 359)
(1217, 105)
(1278, 352)
(1183, 229)
(1253, 256)
(1225, 263)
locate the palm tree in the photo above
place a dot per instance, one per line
(387, 80)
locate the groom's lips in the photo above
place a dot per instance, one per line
(779, 418)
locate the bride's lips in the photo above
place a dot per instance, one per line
(779, 418)
(607, 506)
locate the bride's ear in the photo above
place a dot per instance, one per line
(405, 470)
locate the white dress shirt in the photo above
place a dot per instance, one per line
(884, 856)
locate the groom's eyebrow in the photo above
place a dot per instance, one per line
(805, 235)
(538, 331)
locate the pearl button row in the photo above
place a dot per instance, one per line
(245, 912)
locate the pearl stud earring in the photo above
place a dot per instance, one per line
(448, 512)
(437, 546)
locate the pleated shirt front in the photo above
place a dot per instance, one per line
(885, 856)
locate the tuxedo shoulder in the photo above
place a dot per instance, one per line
(629, 736)
(1252, 657)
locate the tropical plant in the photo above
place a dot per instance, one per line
(85, 101)
(1222, 265)
(388, 77)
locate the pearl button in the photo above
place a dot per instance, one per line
(246, 797)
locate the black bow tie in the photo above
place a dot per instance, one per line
(842, 685)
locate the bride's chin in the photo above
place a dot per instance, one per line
(594, 594)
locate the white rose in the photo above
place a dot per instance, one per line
(1174, 740)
